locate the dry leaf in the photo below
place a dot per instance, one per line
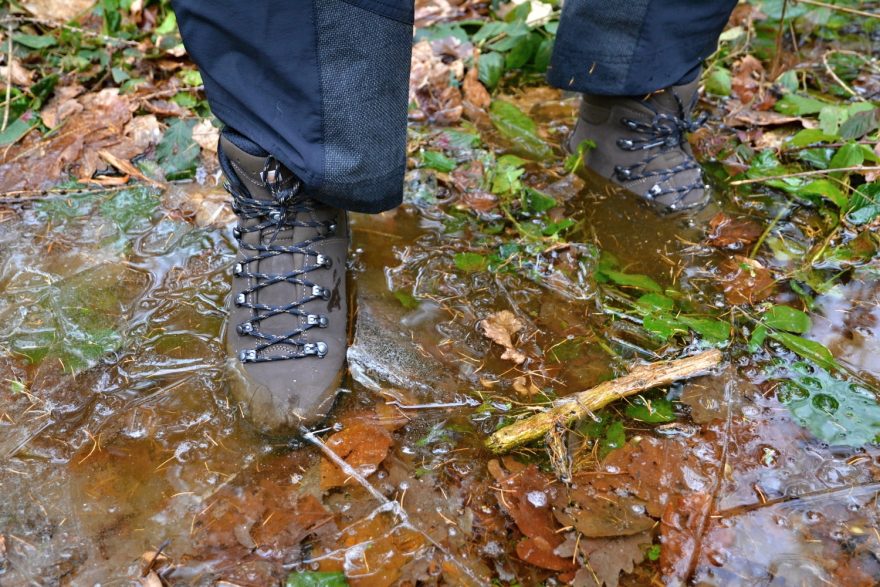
(151, 580)
(474, 90)
(20, 75)
(500, 327)
(363, 445)
(144, 131)
(609, 557)
(206, 135)
(57, 10)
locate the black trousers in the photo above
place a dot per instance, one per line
(323, 84)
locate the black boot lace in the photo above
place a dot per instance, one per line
(664, 133)
(287, 209)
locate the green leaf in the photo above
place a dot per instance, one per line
(663, 326)
(35, 41)
(808, 349)
(177, 153)
(865, 204)
(615, 437)
(655, 302)
(860, 124)
(834, 410)
(810, 136)
(489, 69)
(438, 161)
(635, 280)
(797, 105)
(470, 262)
(850, 155)
(788, 319)
(316, 579)
(759, 335)
(826, 189)
(505, 178)
(656, 411)
(519, 129)
(168, 25)
(713, 331)
(653, 553)
(537, 202)
(18, 128)
(718, 81)
(555, 228)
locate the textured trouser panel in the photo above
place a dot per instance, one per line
(320, 84)
(635, 46)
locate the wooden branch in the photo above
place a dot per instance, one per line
(582, 404)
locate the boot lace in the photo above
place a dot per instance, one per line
(664, 133)
(287, 209)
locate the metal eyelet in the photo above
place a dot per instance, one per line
(248, 356)
(238, 269)
(623, 172)
(275, 215)
(625, 144)
(240, 299)
(655, 190)
(236, 232)
(629, 123)
(245, 328)
(324, 262)
(318, 349)
(320, 292)
(317, 320)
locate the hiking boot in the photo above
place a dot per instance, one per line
(288, 314)
(641, 145)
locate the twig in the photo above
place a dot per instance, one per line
(806, 174)
(6, 108)
(839, 8)
(766, 232)
(839, 81)
(582, 404)
(777, 58)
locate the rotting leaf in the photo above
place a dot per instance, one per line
(609, 557)
(726, 232)
(746, 281)
(501, 327)
(600, 515)
(363, 445)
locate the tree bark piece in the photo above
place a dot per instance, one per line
(582, 404)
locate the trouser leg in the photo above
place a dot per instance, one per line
(634, 47)
(320, 84)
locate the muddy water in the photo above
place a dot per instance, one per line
(117, 436)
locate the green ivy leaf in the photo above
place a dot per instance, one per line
(634, 280)
(759, 335)
(489, 69)
(537, 202)
(797, 105)
(713, 331)
(177, 153)
(664, 326)
(655, 302)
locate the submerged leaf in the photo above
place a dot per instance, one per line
(788, 319)
(519, 129)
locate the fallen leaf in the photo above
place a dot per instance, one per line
(474, 90)
(206, 135)
(500, 327)
(20, 75)
(38, 162)
(363, 445)
(600, 515)
(748, 75)
(144, 131)
(682, 524)
(726, 232)
(609, 557)
(57, 10)
(746, 281)
(430, 86)
(151, 580)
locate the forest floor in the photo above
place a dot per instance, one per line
(507, 280)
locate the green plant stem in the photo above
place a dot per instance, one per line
(766, 232)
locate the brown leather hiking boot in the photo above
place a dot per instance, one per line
(288, 316)
(641, 145)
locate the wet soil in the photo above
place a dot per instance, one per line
(118, 437)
